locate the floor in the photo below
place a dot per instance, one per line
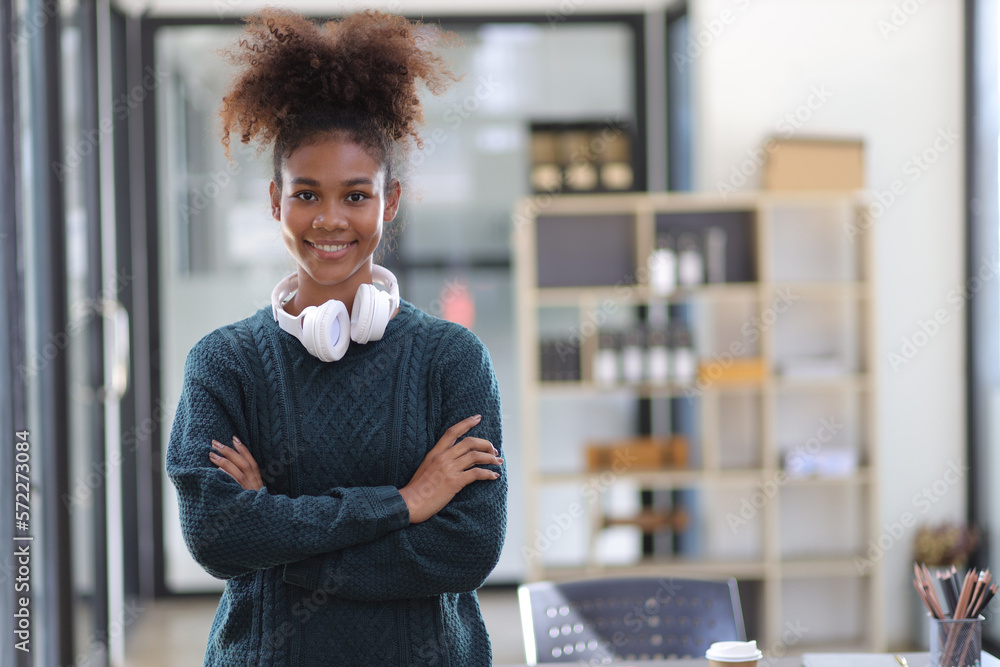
(173, 632)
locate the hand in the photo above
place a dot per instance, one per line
(238, 463)
(447, 469)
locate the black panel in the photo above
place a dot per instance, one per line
(586, 251)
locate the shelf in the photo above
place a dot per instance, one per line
(635, 295)
(813, 568)
(812, 290)
(661, 478)
(856, 382)
(862, 477)
(803, 298)
(585, 389)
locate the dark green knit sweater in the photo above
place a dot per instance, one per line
(322, 566)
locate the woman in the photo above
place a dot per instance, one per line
(362, 500)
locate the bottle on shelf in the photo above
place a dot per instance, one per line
(633, 357)
(683, 361)
(606, 360)
(690, 262)
(715, 255)
(663, 266)
(657, 356)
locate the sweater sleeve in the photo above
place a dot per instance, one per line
(229, 530)
(455, 550)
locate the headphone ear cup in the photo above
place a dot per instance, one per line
(371, 314)
(362, 314)
(324, 331)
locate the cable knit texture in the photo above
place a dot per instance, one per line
(322, 566)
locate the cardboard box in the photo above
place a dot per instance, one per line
(639, 453)
(814, 164)
(736, 371)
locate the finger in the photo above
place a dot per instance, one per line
(475, 474)
(472, 443)
(233, 456)
(457, 431)
(242, 449)
(478, 458)
(227, 467)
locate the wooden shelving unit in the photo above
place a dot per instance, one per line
(798, 543)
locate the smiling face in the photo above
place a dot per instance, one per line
(331, 205)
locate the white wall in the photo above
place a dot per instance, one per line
(899, 90)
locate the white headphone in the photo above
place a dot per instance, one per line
(319, 328)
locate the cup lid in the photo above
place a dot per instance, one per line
(733, 651)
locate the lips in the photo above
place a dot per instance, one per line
(330, 250)
(327, 246)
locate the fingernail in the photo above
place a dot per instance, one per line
(213, 455)
(237, 440)
(495, 452)
(500, 460)
(217, 444)
(478, 417)
(496, 475)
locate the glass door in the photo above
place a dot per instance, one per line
(219, 252)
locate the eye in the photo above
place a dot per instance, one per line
(305, 195)
(357, 197)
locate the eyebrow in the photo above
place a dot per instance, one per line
(311, 182)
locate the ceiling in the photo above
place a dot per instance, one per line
(231, 8)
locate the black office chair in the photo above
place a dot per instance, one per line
(602, 620)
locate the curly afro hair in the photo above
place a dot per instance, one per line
(299, 81)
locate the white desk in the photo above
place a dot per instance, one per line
(912, 659)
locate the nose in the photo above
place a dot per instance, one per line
(329, 220)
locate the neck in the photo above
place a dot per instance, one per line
(312, 293)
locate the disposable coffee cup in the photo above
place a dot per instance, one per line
(733, 654)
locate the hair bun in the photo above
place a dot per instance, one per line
(290, 69)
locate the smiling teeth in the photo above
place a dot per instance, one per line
(331, 248)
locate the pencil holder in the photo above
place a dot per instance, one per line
(956, 643)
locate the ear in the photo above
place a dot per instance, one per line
(392, 200)
(275, 201)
